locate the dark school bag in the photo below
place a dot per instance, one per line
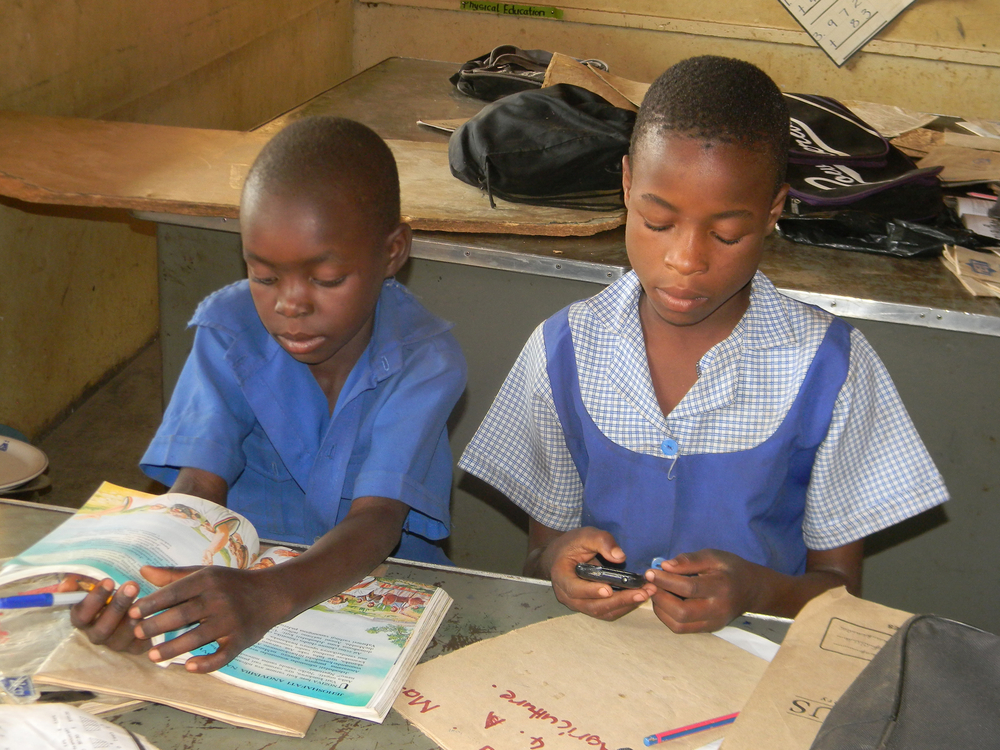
(504, 70)
(558, 146)
(934, 685)
(837, 161)
(898, 189)
(824, 130)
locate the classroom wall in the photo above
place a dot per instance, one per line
(938, 56)
(78, 292)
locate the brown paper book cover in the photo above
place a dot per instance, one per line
(576, 682)
(829, 643)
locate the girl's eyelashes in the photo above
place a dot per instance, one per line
(724, 241)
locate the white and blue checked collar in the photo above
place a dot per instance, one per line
(742, 381)
(764, 325)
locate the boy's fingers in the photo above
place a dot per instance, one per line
(170, 619)
(210, 662)
(123, 639)
(107, 623)
(189, 641)
(164, 576)
(178, 587)
(71, 582)
(83, 613)
(99, 617)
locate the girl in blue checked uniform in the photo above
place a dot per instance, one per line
(692, 413)
(314, 402)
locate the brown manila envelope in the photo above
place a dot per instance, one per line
(79, 665)
(827, 646)
(621, 92)
(576, 682)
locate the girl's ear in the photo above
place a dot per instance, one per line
(626, 178)
(398, 248)
(777, 205)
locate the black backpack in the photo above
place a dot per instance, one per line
(837, 161)
(934, 685)
(557, 146)
(504, 70)
(824, 130)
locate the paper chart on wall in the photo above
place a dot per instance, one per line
(842, 27)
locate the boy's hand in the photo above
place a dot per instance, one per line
(716, 587)
(595, 599)
(233, 607)
(107, 623)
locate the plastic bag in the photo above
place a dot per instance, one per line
(27, 637)
(871, 233)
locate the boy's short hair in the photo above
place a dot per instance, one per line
(316, 156)
(717, 99)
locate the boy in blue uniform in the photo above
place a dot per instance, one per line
(689, 411)
(314, 402)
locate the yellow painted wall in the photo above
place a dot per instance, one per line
(78, 288)
(938, 56)
(78, 292)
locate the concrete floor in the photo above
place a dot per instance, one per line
(105, 437)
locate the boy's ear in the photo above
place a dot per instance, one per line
(397, 245)
(626, 178)
(777, 205)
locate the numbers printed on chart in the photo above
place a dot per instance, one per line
(841, 27)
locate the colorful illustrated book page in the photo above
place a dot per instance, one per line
(347, 655)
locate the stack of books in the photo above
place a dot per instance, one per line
(978, 272)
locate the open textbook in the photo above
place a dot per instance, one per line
(349, 654)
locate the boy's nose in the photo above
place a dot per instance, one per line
(687, 254)
(292, 301)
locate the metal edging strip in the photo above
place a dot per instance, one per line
(217, 223)
(897, 312)
(507, 260)
(604, 273)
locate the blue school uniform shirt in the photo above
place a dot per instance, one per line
(867, 470)
(244, 409)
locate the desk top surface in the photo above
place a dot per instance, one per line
(485, 605)
(391, 96)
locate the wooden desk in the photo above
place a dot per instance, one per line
(485, 605)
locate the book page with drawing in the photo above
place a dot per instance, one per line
(347, 655)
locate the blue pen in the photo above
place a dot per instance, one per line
(42, 600)
(701, 726)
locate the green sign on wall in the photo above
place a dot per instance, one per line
(509, 9)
